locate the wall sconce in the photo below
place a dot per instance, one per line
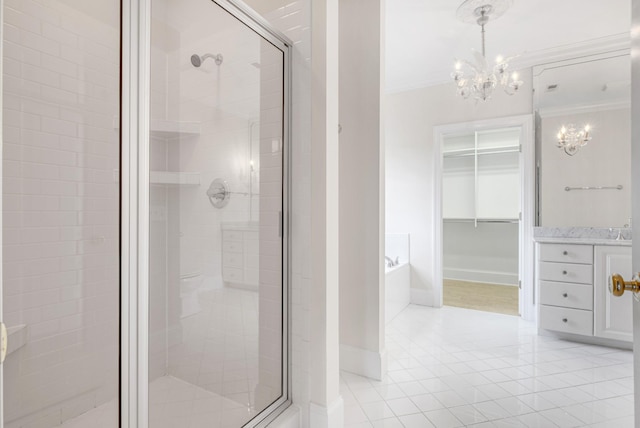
(571, 139)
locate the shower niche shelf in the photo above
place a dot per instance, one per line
(173, 129)
(175, 178)
(167, 128)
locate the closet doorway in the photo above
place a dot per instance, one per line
(484, 215)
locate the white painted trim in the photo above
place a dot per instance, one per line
(616, 42)
(437, 226)
(582, 109)
(1, 206)
(290, 418)
(528, 208)
(363, 362)
(331, 416)
(422, 297)
(527, 204)
(482, 276)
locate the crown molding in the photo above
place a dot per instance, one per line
(603, 45)
(583, 109)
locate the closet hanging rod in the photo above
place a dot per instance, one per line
(480, 220)
(618, 187)
(480, 152)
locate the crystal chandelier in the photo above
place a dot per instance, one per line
(571, 139)
(481, 79)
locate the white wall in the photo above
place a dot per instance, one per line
(597, 164)
(61, 209)
(410, 119)
(487, 253)
(362, 188)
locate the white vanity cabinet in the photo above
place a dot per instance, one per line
(565, 281)
(240, 255)
(613, 318)
(573, 289)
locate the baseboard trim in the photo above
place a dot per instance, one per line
(489, 277)
(422, 297)
(331, 416)
(363, 362)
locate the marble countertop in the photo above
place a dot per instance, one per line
(584, 241)
(582, 235)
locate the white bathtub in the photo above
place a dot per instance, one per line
(397, 290)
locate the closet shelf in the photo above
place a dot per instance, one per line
(481, 151)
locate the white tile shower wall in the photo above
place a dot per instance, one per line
(61, 210)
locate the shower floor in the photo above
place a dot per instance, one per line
(173, 403)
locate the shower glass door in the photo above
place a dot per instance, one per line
(217, 266)
(60, 213)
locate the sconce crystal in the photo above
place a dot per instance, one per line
(480, 80)
(571, 139)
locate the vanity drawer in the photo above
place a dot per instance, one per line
(232, 259)
(567, 253)
(232, 275)
(232, 246)
(232, 235)
(576, 321)
(566, 272)
(577, 296)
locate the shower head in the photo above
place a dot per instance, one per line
(197, 60)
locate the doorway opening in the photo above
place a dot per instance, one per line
(483, 214)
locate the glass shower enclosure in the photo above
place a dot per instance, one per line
(145, 214)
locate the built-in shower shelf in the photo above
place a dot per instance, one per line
(172, 129)
(175, 178)
(167, 128)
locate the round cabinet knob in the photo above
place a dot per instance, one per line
(564, 320)
(564, 253)
(565, 295)
(564, 272)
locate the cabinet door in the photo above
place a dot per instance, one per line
(613, 315)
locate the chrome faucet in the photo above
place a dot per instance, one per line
(619, 237)
(391, 262)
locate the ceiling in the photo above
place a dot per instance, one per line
(423, 37)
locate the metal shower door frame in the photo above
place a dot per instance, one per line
(134, 245)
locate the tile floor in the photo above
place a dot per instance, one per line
(173, 403)
(448, 367)
(454, 367)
